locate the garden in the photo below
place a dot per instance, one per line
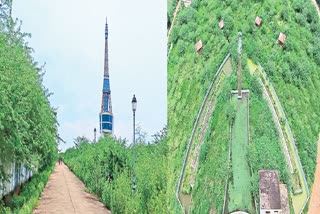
(293, 69)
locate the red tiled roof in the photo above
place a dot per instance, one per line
(258, 21)
(282, 38)
(221, 24)
(199, 46)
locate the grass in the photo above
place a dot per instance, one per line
(214, 158)
(298, 200)
(189, 175)
(240, 188)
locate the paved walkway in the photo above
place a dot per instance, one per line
(314, 206)
(65, 193)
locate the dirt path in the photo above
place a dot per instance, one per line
(277, 122)
(314, 206)
(316, 5)
(65, 193)
(174, 17)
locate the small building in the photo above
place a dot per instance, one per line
(187, 3)
(269, 191)
(282, 38)
(258, 21)
(221, 24)
(199, 47)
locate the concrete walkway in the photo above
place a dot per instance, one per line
(314, 206)
(65, 193)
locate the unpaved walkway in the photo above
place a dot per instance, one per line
(316, 5)
(314, 206)
(174, 17)
(277, 122)
(65, 193)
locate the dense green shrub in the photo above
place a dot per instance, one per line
(106, 168)
(28, 123)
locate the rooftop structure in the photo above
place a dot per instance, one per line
(221, 24)
(258, 21)
(269, 192)
(282, 38)
(187, 3)
(199, 46)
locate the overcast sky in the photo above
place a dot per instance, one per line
(69, 37)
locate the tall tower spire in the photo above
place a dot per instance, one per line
(106, 60)
(106, 116)
(239, 65)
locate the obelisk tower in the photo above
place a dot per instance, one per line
(239, 66)
(106, 116)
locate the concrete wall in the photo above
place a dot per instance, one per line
(18, 174)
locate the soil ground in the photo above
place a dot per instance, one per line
(314, 206)
(316, 5)
(65, 193)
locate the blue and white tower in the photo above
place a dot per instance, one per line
(106, 116)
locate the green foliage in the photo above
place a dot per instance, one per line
(239, 188)
(28, 124)
(292, 68)
(106, 169)
(171, 4)
(231, 111)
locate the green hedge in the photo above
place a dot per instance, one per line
(28, 124)
(106, 170)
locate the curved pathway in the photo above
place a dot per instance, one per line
(316, 5)
(65, 193)
(174, 17)
(314, 206)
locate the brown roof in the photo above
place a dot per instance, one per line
(282, 38)
(258, 21)
(199, 46)
(269, 189)
(221, 24)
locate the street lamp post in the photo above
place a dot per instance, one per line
(95, 135)
(134, 108)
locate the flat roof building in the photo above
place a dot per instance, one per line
(269, 191)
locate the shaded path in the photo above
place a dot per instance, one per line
(314, 206)
(65, 193)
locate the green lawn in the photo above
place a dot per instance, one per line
(239, 188)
